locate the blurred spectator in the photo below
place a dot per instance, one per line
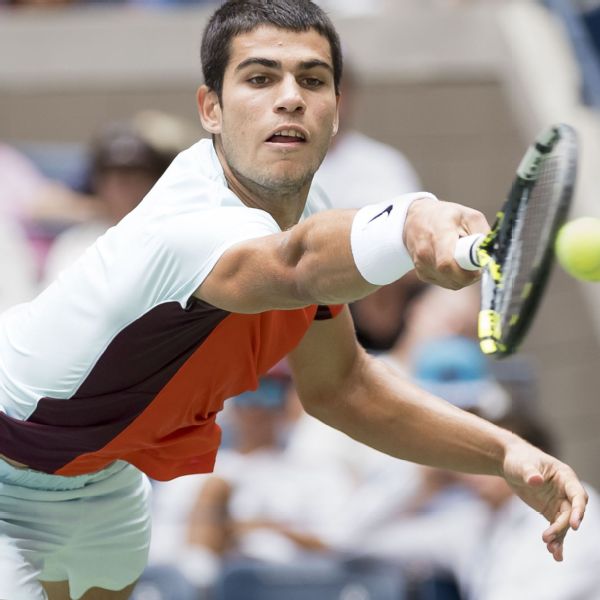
(20, 186)
(438, 313)
(36, 205)
(453, 367)
(41, 3)
(17, 268)
(355, 8)
(260, 504)
(381, 318)
(56, 3)
(172, 3)
(489, 541)
(356, 170)
(127, 158)
(435, 313)
(313, 443)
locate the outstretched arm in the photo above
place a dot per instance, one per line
(351, 391)
(315, 262)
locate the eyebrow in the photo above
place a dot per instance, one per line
(275, 64)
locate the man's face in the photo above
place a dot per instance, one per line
(279, 108)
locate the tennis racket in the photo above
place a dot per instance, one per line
(517, 254)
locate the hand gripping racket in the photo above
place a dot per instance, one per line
(517, 254)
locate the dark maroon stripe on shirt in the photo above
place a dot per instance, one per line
(323, 313)
(133, 369)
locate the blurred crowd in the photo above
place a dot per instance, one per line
(59, 3)
(343, 7)
(294, 508)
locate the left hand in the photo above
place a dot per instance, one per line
(548, 486)
(431, 231)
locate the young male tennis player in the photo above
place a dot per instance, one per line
(118, 369)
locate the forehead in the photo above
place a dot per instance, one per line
(279, 44)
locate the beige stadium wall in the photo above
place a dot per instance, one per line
(444, 82)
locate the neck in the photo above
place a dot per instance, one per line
(284, 204)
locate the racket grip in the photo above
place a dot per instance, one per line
(465, 252)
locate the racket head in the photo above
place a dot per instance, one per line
(518, 253)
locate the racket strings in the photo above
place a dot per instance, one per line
(523, 246)
(533, 222)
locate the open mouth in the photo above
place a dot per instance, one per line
(287, 136)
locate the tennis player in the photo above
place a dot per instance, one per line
(118, 369)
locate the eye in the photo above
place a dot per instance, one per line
(258, 80)
(312, 82)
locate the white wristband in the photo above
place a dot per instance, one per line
(376, 239)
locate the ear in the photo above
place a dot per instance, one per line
(336, 120)
(209, 109)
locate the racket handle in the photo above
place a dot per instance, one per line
(465, 252)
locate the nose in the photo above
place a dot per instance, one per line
(290, 98)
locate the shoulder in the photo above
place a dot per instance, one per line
(194, 176)
(192, 197)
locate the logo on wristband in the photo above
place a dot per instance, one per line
(387, 211)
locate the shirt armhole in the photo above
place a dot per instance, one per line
(326, 312)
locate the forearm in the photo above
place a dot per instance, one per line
(379, 408)
(345, 255)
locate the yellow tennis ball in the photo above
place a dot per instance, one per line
(578, 248)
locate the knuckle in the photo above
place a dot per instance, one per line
(422, 255)
(446, 265)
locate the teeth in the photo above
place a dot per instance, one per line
(290, 133)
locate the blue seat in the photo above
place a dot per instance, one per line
(321, 580)
(438, 588)
(165, 583)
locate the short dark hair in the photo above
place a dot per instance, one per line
(236, 17)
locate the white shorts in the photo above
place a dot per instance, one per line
(91, 530)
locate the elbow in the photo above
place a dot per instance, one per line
(313, 284)
(306, 277)
(318, 406)
(306, 289)
(311, 404)
(319, 401)
(335, 399)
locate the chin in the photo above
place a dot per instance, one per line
(291, 171)
(286, 178)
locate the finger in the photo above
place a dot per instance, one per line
(559, 527)
(556, 549)
(579, 498)
(576, 518)
(474, 221)
(445, 262)
(434, 262)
